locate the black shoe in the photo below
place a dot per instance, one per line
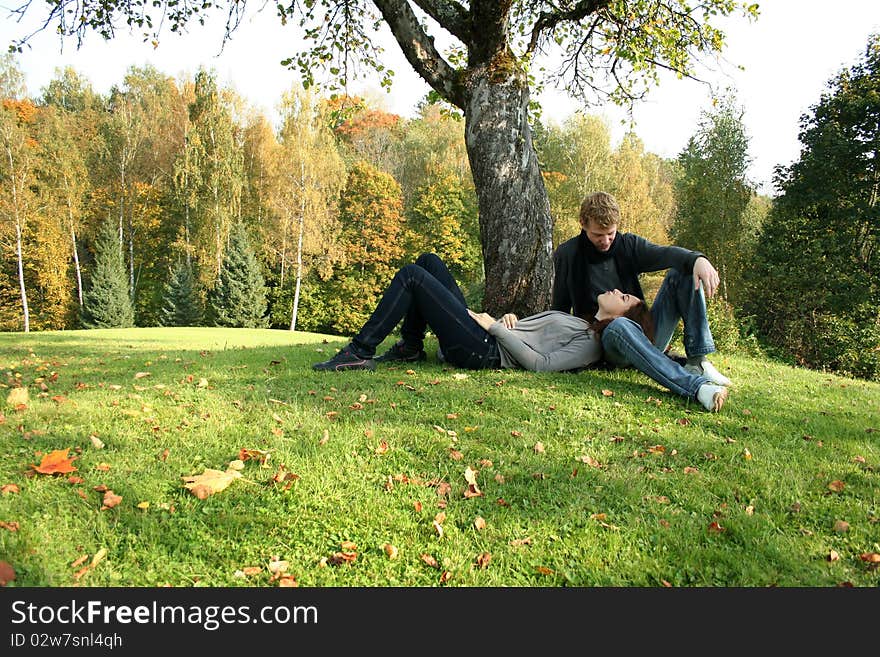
(400, 353)
(346, 360)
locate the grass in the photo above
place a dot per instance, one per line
(753, 496)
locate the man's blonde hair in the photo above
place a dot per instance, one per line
(601, 208)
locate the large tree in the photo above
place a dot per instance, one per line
(609, 48)
(815, 288)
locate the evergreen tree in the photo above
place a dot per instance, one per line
(181, 304)
(815, 282)
(106, 303)
(238, 298)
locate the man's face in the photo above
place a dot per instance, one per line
(600, 236)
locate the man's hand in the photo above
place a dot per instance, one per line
(485, 320)
(705, 272)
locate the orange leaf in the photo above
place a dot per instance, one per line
(110, 500)
(608, 393)
(870, 557)
(9, 488)
(837, 486)
(11, 526)
(56, 462)
(7, 573)
(429, 560)
(715, 527)
(484, 559)
(543, 570)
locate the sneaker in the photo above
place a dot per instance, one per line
(346, 360)
(712, 397)
(400, 353)
(708, 370)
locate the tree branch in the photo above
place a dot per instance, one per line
(419, 50)
(549, 20)
(450, 15)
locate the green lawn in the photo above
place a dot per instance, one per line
(592, 479)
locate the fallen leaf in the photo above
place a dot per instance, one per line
(543, 570)
(79, 562)
(99, 556)
(324, 438)
(479, 523)
(9, 488)
(103, 467)
(445, 576)
(841, 526)
(141, 375)
(382, 447)
(7, 573)
(589, 460)
(251, 570)
(210, 482)
(456, 455)
(17, 397)
(391, 551)
(96, 442)
(287, 581)
(56, 462)
(837, 486)
(870, 557)
(278, 566)
(11, 525)
(689, 470)
(143, 505)
(747, 455)
(429, 560)
(110, 500)
(715, 527)
(832, 556)
(484, 559)
(438, 528)
(521, 541)
(539, 448)
(608, 393)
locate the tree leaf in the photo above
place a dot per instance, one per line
(56, 462)
(210, 482)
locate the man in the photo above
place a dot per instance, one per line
(601, 259)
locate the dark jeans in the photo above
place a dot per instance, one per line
(426, 295)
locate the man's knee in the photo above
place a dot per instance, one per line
(428, 260)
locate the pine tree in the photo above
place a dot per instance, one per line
(106, 303)
(181, 304)
(238, 299)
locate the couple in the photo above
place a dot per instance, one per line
(598, 314)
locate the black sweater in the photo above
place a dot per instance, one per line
(632, 255)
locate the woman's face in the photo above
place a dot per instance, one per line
(616, 303)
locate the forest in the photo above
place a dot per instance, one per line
(172, 202)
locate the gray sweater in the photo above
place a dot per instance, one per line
(551, 341)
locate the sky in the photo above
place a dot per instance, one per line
(786, 57)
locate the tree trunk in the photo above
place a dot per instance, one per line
(79, 287)
(18, 253)
(516, 229)
(299, 245)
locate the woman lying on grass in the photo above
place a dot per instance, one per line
(426, 295)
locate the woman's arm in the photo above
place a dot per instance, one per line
(579, 352)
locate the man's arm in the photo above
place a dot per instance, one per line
(560, 299)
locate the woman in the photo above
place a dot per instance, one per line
(425, 295)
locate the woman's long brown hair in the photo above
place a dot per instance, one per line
(639, 313)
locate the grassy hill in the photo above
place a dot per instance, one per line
(429, 476)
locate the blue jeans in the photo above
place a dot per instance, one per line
(425, 295)
(625, 345)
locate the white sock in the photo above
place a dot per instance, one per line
(711, 396)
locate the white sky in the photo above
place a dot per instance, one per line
(788, 56)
